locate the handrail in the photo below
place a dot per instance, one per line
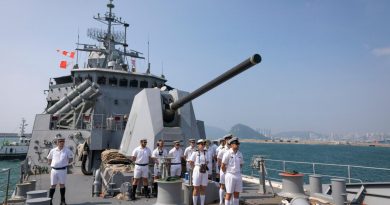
(88, 121)
(6, 184)
(315, 168)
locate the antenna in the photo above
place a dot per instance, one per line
(148, 70)
(100, 34)
(162, 69)
(77, 50)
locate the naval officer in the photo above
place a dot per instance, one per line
(157, 154)
(221, 152)
(198, 161)
(141, 156)
(177, 153)
(59, 158)
(188, 152)
(232, 162)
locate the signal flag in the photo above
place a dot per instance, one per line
(67, 53)
(63, 64)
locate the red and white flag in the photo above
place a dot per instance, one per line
(67, 53)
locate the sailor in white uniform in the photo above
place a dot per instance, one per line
(157, 155)
(177, 153)
(221, 152)
(188, 152)
(198, 161)
(59, 158)
(217, 165)
(210, 155)
(232, 162)
(214, 146)
(142, 157)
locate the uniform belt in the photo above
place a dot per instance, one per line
(175, 163)
(141, 164)
(59, 168)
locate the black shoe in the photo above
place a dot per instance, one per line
(147, 195)
(62, 203)
(132, 197)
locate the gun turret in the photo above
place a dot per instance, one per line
(169, 115)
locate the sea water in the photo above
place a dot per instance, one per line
(322, 154)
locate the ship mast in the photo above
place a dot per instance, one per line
(22, 127)
(112, 56)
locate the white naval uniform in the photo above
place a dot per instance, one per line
(59, 162)
(233, 162)
(157, 154)
(187, 154)
(199, 179)
(176, 161)
(142, 156)
(214, 162)
(210, 153)
(221, 152)
(216, 154)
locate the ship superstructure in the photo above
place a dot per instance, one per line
(92, 103)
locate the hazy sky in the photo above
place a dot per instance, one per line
(326, 64)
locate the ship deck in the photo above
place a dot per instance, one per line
(79, 192)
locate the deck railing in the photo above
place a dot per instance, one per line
(87, 121)
(351, 173)
(4, 185)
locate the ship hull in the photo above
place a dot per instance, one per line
(20, 156)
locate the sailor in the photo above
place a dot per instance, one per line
(141, 156)
(210, 155)
(214, 146)
(177, 153)
(59, 158)
(232, 162)
(188, 152)
(217, 166)
(157, 155)
(198, 161)
(221, 152)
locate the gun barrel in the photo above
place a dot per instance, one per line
(246, 64)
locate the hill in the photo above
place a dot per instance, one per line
(245, 132)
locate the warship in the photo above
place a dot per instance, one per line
(105, 107)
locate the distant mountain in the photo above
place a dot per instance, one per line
(214, 132)
(245, 132)
(302, 135)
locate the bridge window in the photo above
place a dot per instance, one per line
(101, 80)
(113, 81)
(144, 84)
(134, 83)
(123, 82)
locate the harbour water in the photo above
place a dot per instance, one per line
(326, 154)
(332, 154)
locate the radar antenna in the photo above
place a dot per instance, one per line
(110, 38)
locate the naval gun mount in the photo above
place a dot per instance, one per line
(169, 115)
